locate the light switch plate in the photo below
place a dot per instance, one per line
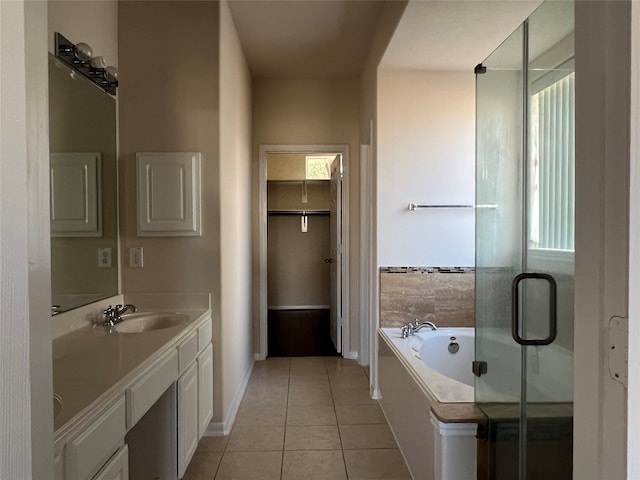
(136, 259)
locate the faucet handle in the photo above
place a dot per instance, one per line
(404, 331)
(110, 315)
(120, 309)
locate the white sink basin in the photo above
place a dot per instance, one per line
(57, 406)
(145, 322)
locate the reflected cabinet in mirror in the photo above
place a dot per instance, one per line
(84, 244)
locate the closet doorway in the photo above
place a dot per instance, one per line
(303, 205)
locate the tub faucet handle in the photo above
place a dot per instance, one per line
(407, 330)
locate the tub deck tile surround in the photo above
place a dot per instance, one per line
(334, 433)
(458, 413)
(444, 295)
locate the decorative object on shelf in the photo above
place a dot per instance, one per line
(80, 58)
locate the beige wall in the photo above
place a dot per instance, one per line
(425, 155)
(235, 211)
(387, 23)
(311, 112)
(289, 166)
(169, 103)
(296, 272)
(92, 22)
(286, 166)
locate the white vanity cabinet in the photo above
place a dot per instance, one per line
(117, 468)
(187, 417)
(195, 393)
(155, 416)
(90, 449)
(150, 386)
(205, 389)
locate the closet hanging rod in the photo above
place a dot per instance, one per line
(415, 206)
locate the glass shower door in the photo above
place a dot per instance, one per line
(524, 249)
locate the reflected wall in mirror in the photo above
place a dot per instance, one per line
(84, 234)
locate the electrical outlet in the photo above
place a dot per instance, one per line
(136, 259)
(104, 258)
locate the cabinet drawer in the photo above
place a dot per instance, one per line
(204, 335)
(89, 451)
(187, 351)
(117, 468)
(146, 390)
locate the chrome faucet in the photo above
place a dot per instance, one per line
(412, 327)
(113, 316)
(419, 326)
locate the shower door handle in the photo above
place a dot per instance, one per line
(515, 309)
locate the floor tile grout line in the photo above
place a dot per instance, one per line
(335, 412)
(290, 371)
(286, 413)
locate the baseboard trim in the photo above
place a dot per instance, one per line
(220, 429)
(259, 357)
(375, 393)
(351, 355)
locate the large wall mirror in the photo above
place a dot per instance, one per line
(83, 168)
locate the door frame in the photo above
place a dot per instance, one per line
(264, 150)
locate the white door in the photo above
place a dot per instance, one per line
(336, 252)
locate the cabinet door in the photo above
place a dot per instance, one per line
(117, 468)
(187, 417)
(205, 389)
(169, 194)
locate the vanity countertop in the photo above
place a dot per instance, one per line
(91, 365)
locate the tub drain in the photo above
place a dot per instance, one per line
(453, 346)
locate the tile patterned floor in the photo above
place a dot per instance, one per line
(303, 418)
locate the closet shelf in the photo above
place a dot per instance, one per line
(284, 211)
(298, 182)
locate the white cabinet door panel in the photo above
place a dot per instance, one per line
(168, 194)
(117, 468)
(205, 389)
(187, 417)
(76, 199)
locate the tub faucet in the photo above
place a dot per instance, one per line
(412, 327)
(113, 316)
(417, 325)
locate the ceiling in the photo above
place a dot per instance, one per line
(320, 39)
(305, 39)
(454, 34)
